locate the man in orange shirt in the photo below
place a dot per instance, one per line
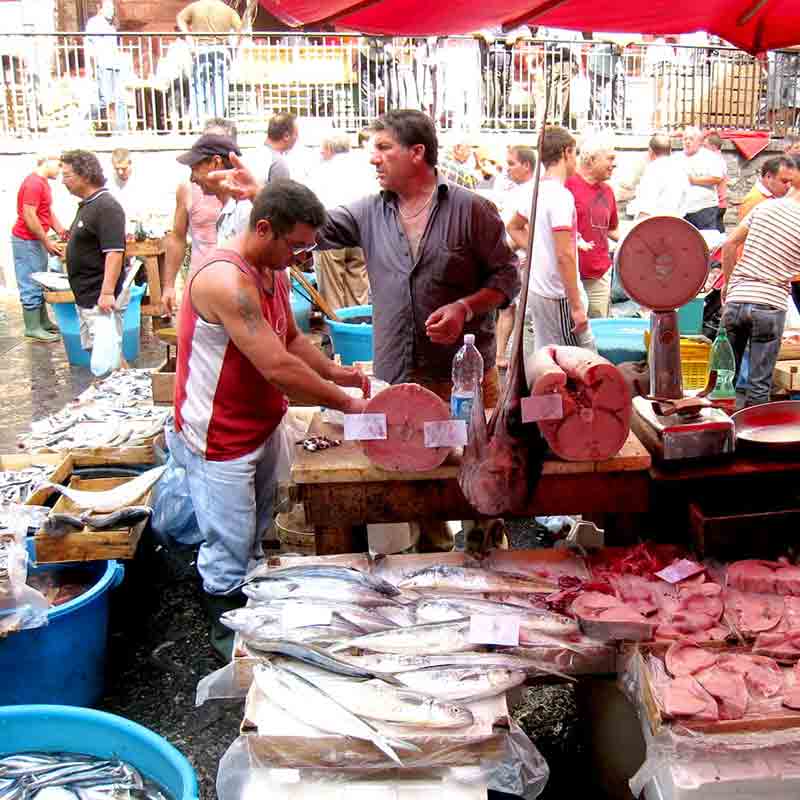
(775, 181)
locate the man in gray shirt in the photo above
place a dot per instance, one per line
(438, 262)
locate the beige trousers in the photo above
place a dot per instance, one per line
(342, 277)
(599, 292)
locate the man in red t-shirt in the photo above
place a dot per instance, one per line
(597, 220)
(30, 244)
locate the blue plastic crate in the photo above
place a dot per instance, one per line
(69, 325)
(620, 340)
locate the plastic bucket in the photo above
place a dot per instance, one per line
(69, 325)
(620, 340)
(51, 728)
(352, 342)
(64, 661)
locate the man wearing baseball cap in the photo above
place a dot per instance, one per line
(209, 153)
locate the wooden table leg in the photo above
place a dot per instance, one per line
(153, 299)
(332, 540)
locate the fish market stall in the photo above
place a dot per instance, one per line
(340, 487)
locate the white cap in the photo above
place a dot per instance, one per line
(469, 338)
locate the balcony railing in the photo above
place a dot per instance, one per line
(162, 83)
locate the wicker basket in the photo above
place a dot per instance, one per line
(294, 533)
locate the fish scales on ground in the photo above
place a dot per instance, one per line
(308, 704)
(471, 579)
(122, 496)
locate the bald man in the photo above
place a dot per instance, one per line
(704, 171)
(662, 189)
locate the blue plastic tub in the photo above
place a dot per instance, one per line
(301, 308)
(69, 325)
(52, 728)
(352, 342)
(690, 317)
(620, 340)
(64, 661)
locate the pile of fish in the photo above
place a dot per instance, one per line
(17, 485)
(361, 649)
(72, 776)
(123, 387)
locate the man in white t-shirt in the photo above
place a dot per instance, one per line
(557, 307)
(662, 188)
(704, 171)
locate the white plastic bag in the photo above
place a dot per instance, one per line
(107, 349)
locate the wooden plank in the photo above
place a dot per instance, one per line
(348, 463)
(59, 297)
(100, 456)
(89, 545)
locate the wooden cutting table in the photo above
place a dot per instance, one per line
(341, 488)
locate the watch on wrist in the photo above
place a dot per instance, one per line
(470, 312)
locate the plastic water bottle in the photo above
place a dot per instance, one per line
(467, 376)
(723, 361)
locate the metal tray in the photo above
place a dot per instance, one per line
(771, 426)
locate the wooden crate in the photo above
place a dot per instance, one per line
(62, 469)
(787, 375)
(163, 380)
(89, 545)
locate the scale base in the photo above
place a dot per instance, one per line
(670, 438)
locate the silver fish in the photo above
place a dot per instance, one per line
(430, 638)
(463, 683)
(314, 656)
(313, 588)
(381, 701)
(443, 577)
(393, 664)
(312, 706)
(121, 518)
(440, 609)
(126, 494)
(331, 572)
(367, 620)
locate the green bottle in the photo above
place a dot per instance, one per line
(723, 361)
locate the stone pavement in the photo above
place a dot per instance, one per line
(36, 379)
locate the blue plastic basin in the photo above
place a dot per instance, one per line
(69, 325)
(52, 728)
(64, 661)
(620, 340)
(352, 342)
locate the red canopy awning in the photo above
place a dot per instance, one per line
(753, 25)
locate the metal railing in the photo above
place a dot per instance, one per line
(162, 83)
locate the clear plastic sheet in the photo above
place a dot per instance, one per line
(516, 767)
(173, 516)
(226, 683)
(22, 609)
(20, 521)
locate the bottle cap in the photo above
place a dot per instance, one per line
(469, 338)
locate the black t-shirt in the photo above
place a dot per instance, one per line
(98, 228)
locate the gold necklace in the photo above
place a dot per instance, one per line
(422, 208)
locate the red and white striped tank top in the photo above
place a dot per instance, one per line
(224, 407)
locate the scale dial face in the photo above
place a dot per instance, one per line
(662, 262)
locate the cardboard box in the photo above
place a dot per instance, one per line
(787, 375)
(163, 380)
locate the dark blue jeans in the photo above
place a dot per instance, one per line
(705, 219)
(762, 327)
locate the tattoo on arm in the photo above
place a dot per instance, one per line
(248, 311)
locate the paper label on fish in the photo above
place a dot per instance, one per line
(364, 427)
(489, 629)
(446, 433)
(679, 571)
(542, 407)
(303, 615)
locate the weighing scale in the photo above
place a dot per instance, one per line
(662, 264)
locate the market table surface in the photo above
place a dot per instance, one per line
(341, 488)
(745, 506)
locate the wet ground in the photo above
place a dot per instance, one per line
(158, 646)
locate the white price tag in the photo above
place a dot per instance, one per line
(447, 433)
(363, 427)
(487, 629)
(302, 615)
(541, 407)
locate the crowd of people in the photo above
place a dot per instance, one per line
(437, 250)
